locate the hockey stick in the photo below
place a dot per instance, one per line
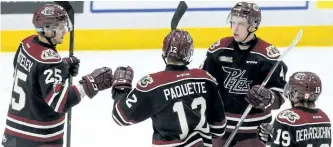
(70, 11)
(248, 109)
(180, 11)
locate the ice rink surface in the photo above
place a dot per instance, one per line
(92, 124)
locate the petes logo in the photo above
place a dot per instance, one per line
(145, 81)
(272, 51)
(289, 115)
(299, 76)
(48, 11)
(235, 81)
(49, 54)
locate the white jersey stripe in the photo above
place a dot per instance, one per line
(64, 91)
(34, 134)
(120, 116)
(115, 118)
(250, 119)
(34, 125)
(242, 128)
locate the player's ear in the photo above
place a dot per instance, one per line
(252, 29)
(47, 32)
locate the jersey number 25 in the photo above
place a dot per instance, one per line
(18, 103)
(18, 76)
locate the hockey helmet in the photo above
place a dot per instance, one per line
(249, 11)
(303, 87)
(49, 16)
(178, 46)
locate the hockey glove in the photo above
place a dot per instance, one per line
(260, 99)
(123, 77)
(73, 65)
(265, 133)
(100, 79)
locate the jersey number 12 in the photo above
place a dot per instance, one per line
(179, 109)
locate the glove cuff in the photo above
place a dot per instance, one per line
(115, 91)
(272, 99)
(90, 88)
(80, 88)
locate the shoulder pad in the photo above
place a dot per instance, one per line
(39, 53)
(220, 44)
(145, 82)
(266, 49)
(199, 73)
(288, 116)
(297, 117)
(155, 80)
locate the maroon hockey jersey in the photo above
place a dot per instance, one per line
(40, 96)
(184, 105)
(302, 127)
(236, 71)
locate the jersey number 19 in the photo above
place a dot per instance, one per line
(286, 139)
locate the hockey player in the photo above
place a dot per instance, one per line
(41, 95)
(240, 64)
(303, 125)
(184, 104)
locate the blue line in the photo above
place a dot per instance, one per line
(156, 10)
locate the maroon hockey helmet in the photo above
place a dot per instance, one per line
(178, 46)
(248, 11)
(303, 87)
(50, 15)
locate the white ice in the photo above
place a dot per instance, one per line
(92, 124)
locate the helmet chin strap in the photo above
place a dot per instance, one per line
(242, 43)
(49, 38)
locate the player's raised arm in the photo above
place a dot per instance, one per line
(60, 96)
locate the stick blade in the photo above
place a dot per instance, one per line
(180, 11)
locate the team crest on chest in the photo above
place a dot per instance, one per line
(144, 81)
(49, 54)
(289, 115)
